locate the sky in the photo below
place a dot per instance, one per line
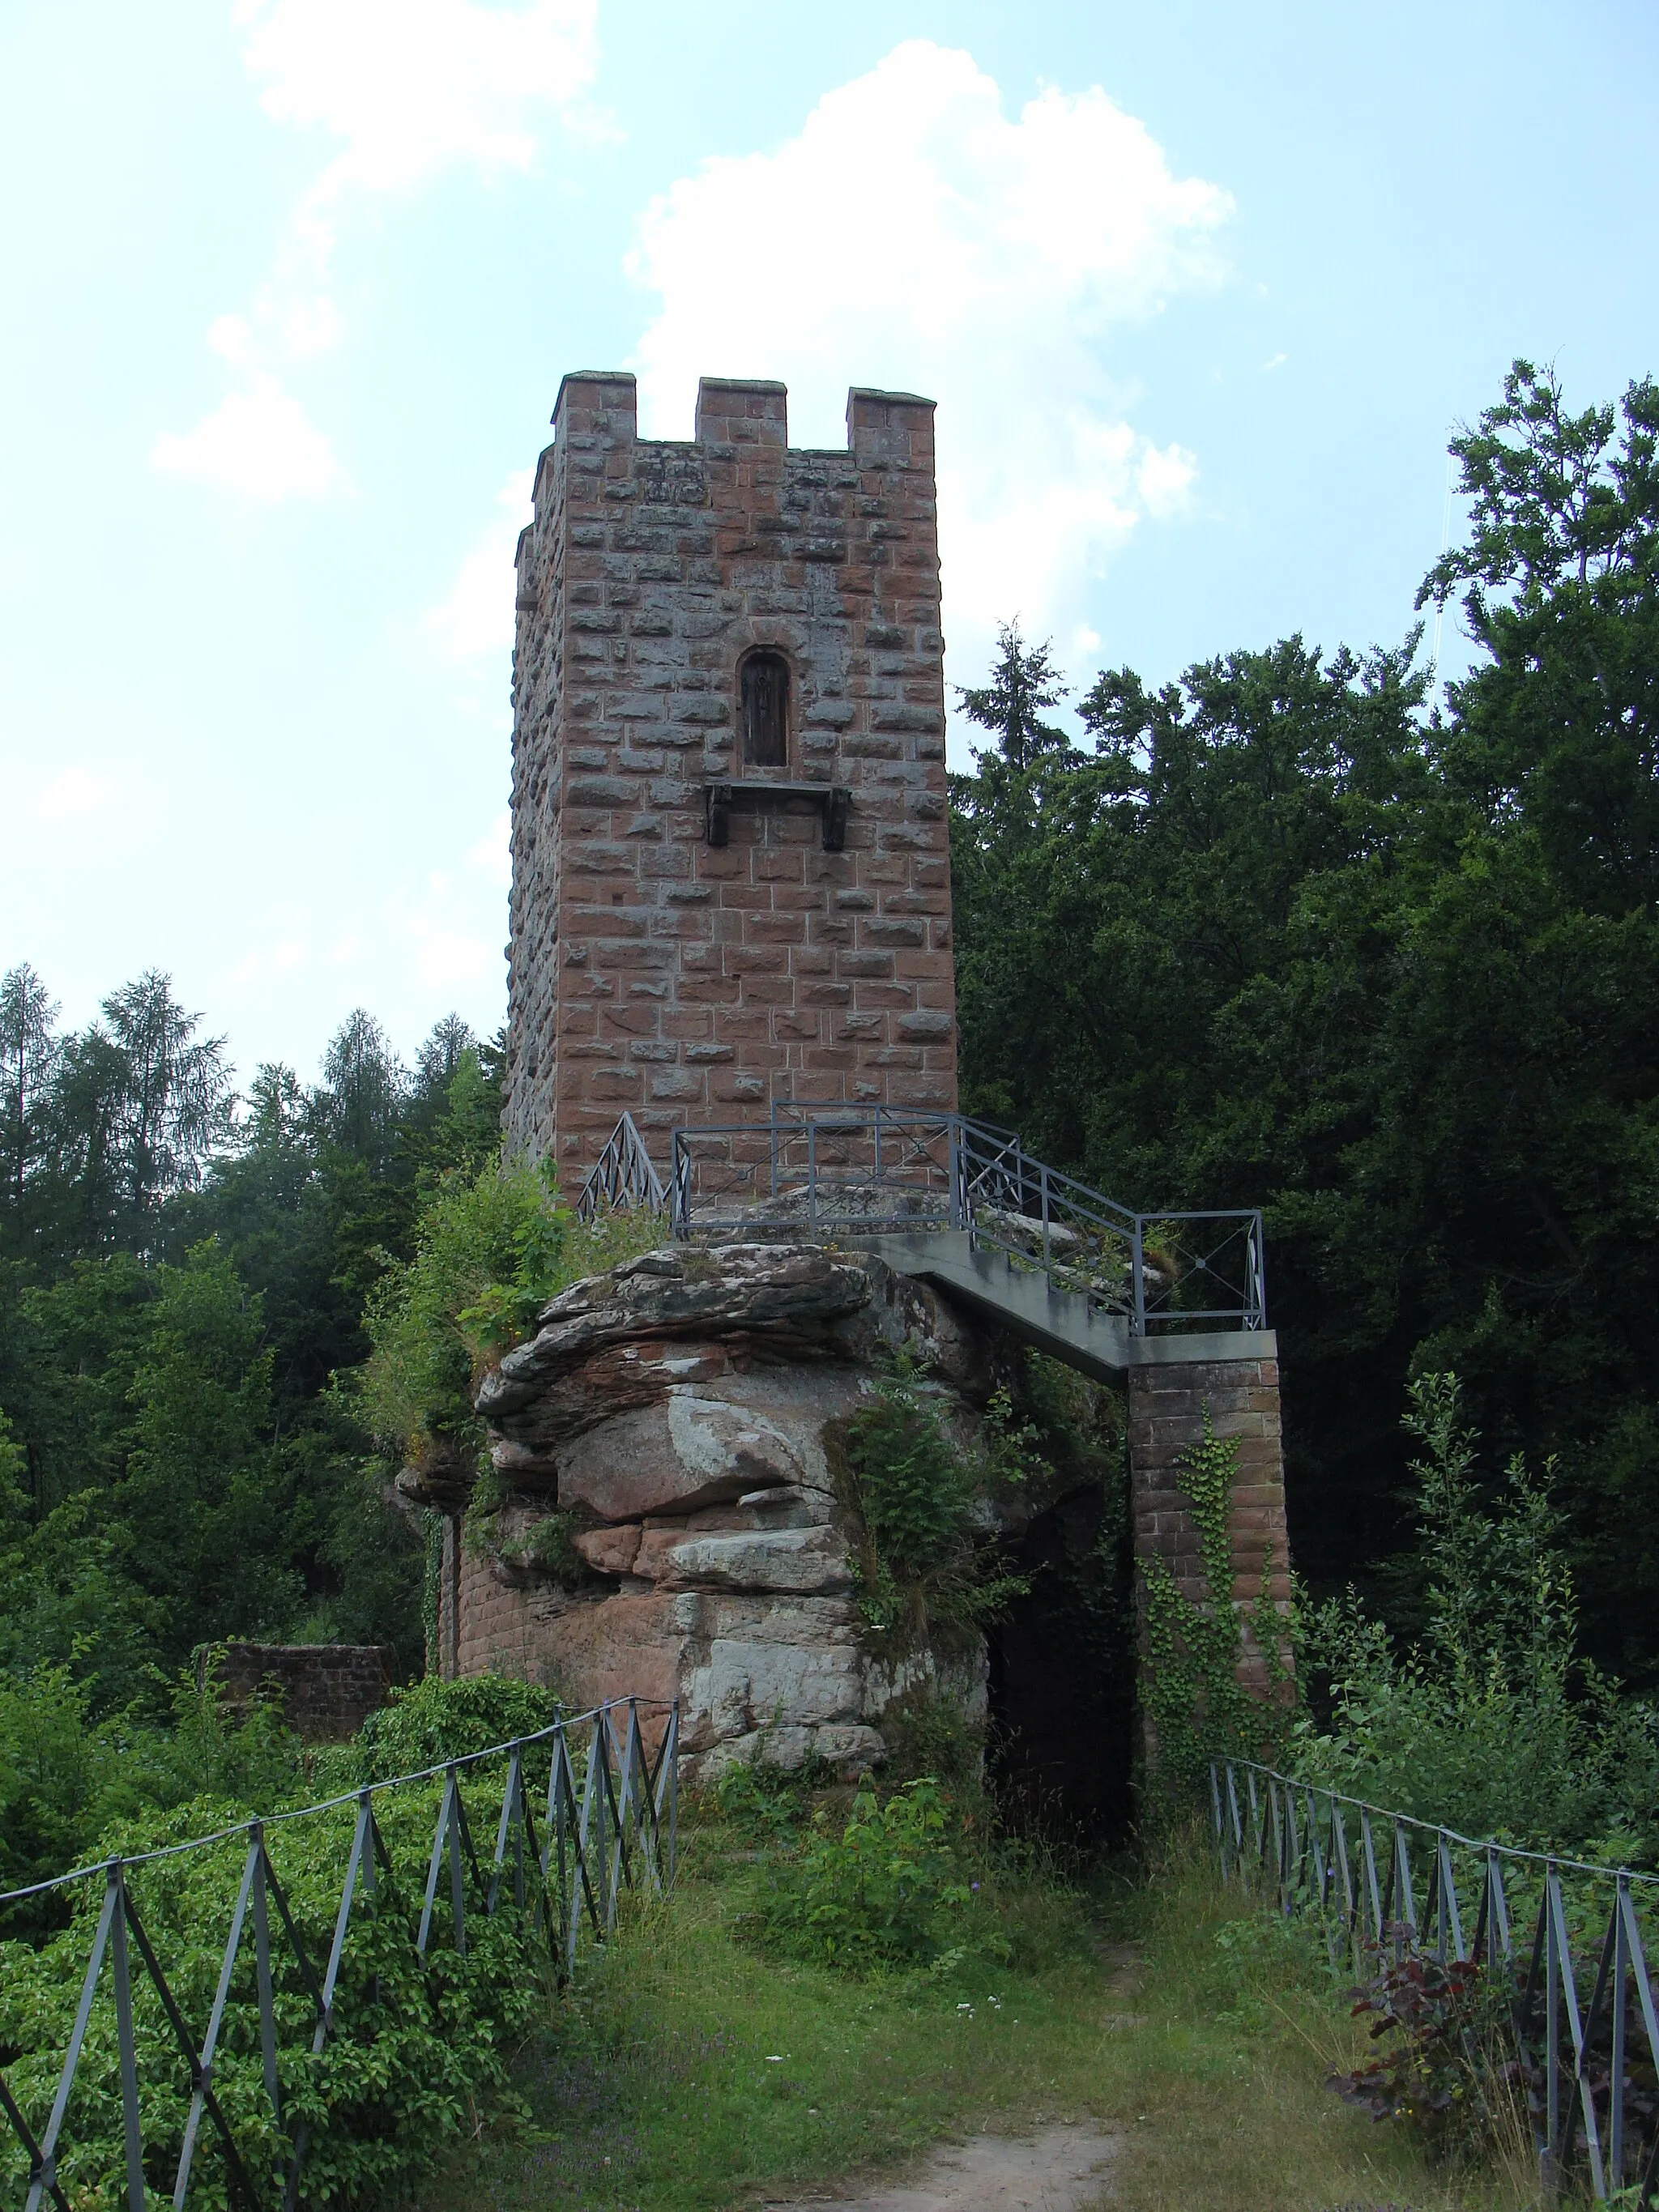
(287, 287)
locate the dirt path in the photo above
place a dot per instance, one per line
(1061, 2169)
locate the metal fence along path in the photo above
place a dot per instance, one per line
(1575, 1989)
(562, 1857)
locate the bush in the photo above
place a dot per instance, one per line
(420, 2046)
(491, 1249)
(66, 1775)
(890, 1891)
(1490, 1723)
(434, 1721)
(1449, 2055)
(927, 1572)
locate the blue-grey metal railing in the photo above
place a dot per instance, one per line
(1575, 2021)
(623, 1177)
(609, 1820)
(886, 1170)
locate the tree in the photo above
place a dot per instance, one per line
(364, 1087)
(441, 1055)
(28, 1063)
(176, 1100)
(1287, 937)
(1560, 588)
(1023, 683)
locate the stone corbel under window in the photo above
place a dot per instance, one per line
(831, 800)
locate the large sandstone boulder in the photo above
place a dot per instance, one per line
(682, 1416)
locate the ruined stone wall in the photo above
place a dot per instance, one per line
(651, 969)
(326, 1690)
(1167, 1405)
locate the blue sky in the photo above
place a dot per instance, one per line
(289, 285)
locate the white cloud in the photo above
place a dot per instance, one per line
(413, 86)
(260, 443)
(405, 90)
(921, 239)
(475, 618)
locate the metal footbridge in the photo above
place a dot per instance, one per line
(960, 1203)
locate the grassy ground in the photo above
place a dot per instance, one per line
(686, 2071)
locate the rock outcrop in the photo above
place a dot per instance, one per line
(669, 1521)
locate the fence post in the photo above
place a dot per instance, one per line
(1621, 1970)
(125, 2044)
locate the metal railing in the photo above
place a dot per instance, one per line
(608, 1822)
(623, 1177)
(892, 1171)
(1576, 2022)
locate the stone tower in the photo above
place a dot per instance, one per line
(731, 870)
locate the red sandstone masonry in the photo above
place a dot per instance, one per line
(1166, 1418)
(650, 971)
(326, 1690)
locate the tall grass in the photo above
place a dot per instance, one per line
(688, 2070)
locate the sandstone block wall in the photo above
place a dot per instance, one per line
(1166, 1416)
(653, 970)
(327, 1691)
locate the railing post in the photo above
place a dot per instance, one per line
(1621, 1970)
(125, 2045)
(1137, 1248)
(1550, 2165)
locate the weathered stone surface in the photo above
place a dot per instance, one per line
(799, 1561)
(781, 1292)
(694, 1403)
(442, 1478)
(708, 1443)
(608, 1551)
(712, 1444)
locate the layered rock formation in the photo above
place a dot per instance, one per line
(669, 1517)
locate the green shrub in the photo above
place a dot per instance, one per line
(890, 1891)
(420, 2048)
(67, 1774)
(1490, 1723)
(926, 1567)
(491, 1249)
(764, 1804)
(433, 1721)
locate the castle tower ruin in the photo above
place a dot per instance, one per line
(731, 869)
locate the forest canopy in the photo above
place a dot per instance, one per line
(1291, 932)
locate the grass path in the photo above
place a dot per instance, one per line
(687, 2074)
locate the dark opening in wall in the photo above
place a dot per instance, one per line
(764, 708)
(1062, 1683)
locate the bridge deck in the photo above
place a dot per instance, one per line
(1069, 1327)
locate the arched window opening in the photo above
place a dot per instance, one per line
(765, 710)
